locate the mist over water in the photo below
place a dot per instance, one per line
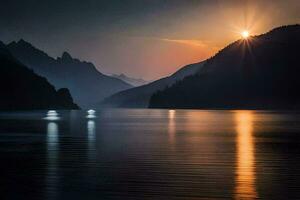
(150, 154)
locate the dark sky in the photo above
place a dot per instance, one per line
(141, 38)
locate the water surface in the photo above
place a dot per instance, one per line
(150, 154)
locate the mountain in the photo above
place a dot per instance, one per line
(132, 81)
(22, 89)
(261, 72)
(139, 97)
(86, 84)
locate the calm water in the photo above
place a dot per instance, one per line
(150, 154)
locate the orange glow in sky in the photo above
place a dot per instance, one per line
(147, 39)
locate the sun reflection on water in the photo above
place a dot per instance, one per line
(171, 126)
(245, 171)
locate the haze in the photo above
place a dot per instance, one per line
(149, 38)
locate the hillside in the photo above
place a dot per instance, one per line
(139, 97)
(132, 81)
(22, 89)
(86, 84)
(261, 72)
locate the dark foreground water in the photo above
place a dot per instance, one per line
(150, 154)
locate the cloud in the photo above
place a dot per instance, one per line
(197, 43)
(188, 42)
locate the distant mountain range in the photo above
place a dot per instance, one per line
(139, 97)
(132, 81)
(86, 84)
(261, 72)
(22, 89)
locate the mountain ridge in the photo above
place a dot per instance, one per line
(22, 89)
(132, 81)
(139, 97)
(256, 73)
(85, 82)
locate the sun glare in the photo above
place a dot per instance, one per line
(245, 34)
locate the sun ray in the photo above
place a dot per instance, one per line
(245, 34)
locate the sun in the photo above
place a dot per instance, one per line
(245, 34)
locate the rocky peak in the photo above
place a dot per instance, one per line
(66, 56)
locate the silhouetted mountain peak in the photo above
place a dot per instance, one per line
(130, 80)
(86, 84)
(23, 49)
(138, 97)
(260, 72)
(23, 43)
(66, 56)
(123, 76)
(21, 88)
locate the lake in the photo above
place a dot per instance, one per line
(150, 154)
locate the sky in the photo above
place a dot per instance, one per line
(141, 38)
